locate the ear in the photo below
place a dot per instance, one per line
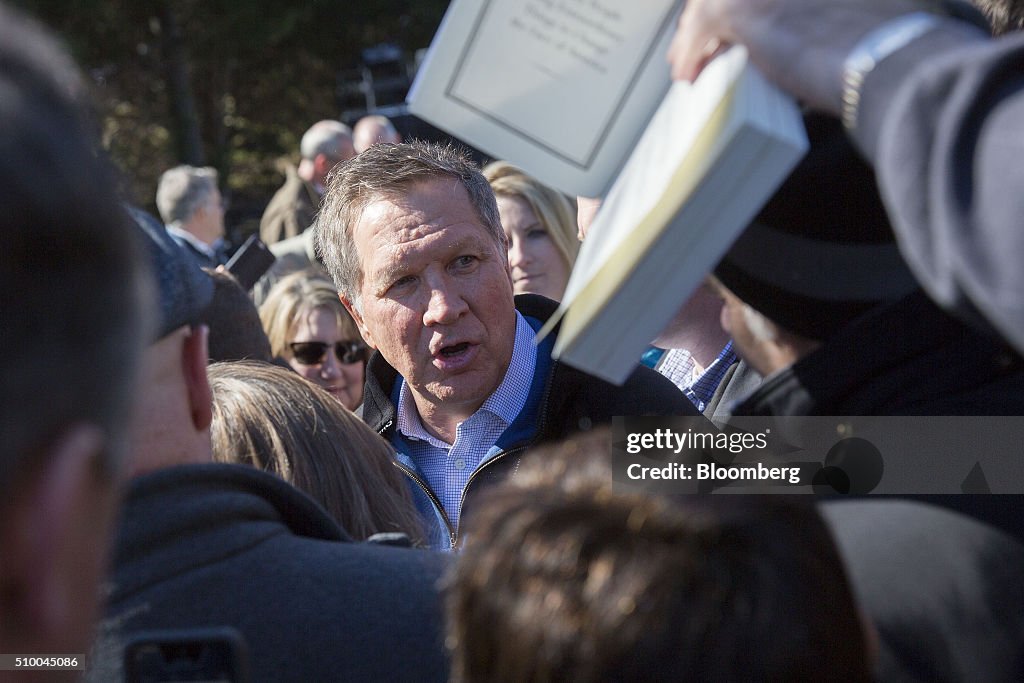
(55, 536)
(194, 358)
(322, 165)
(363, 330)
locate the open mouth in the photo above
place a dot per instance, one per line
(454, 350)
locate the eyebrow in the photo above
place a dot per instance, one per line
(390, 274)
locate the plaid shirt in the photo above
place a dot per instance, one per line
(448, 467)
(678, 365)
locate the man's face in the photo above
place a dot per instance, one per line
(436, 294)
(217, 212)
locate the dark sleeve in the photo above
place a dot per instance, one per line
(942, 120)
(647, 392)
(944, 592)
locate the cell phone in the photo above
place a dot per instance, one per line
(210, 655)
(250, 262)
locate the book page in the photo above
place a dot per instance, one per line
(713, 154)
(670, 137)
(561, 88)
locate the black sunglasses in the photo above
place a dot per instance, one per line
(313, 352)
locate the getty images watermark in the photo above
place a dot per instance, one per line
(827, 455)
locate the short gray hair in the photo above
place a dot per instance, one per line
(325, 137)
(385, 171)
(182, 191)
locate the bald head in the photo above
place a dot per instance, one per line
(372, 129)
(326, 144)
(329, 137)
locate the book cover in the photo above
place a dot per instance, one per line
(561, 88)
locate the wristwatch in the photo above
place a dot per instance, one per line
(878, 44)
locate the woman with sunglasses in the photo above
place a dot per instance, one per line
(309, 328)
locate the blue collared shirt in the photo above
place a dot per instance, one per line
(448, 467)
(679, 366)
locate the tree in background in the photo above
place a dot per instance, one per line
(227, 83)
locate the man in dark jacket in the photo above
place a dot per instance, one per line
(412, 237)
(206, 545)
(819, 300)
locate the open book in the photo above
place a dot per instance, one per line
(714, 153)
(561, 88)
(569, 90)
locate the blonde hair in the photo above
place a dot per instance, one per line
(553, 209)
(273, 419)
(294, 295)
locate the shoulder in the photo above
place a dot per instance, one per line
(900, 555)
(645, 392)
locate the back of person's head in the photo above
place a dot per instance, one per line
(272, 419)
(564, 578)
(1005, 16)
(331, 138)
(73, 290)
(556, 213)
(236, 332)
(182, 191)
(386, 171)
(822, 251)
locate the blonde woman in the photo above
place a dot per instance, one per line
(540, 224)
(272, 419)
(309, 328)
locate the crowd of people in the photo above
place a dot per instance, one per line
(365, 467)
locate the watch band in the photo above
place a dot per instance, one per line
(878, 44)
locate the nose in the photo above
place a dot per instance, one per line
(331, 367)
(446, 305)
(517, 256)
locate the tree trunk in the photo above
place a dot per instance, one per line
(183, 106)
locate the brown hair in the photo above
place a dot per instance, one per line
(563, 578)
(383, 171)
(271, 418)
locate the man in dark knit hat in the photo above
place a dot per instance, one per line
(819, 300)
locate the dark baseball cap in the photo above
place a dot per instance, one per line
(184, 289)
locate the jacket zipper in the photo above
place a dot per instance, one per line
(462, 498)
(452, 531)
(426, 489)
(541, 424)
(433, 499)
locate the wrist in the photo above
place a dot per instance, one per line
(879, 43)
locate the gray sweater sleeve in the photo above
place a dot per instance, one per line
(942, 120)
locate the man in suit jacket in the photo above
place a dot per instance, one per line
(193, 209)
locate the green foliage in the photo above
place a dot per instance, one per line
(260, 72)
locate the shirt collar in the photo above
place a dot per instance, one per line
(203, 247)
(505, 403)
